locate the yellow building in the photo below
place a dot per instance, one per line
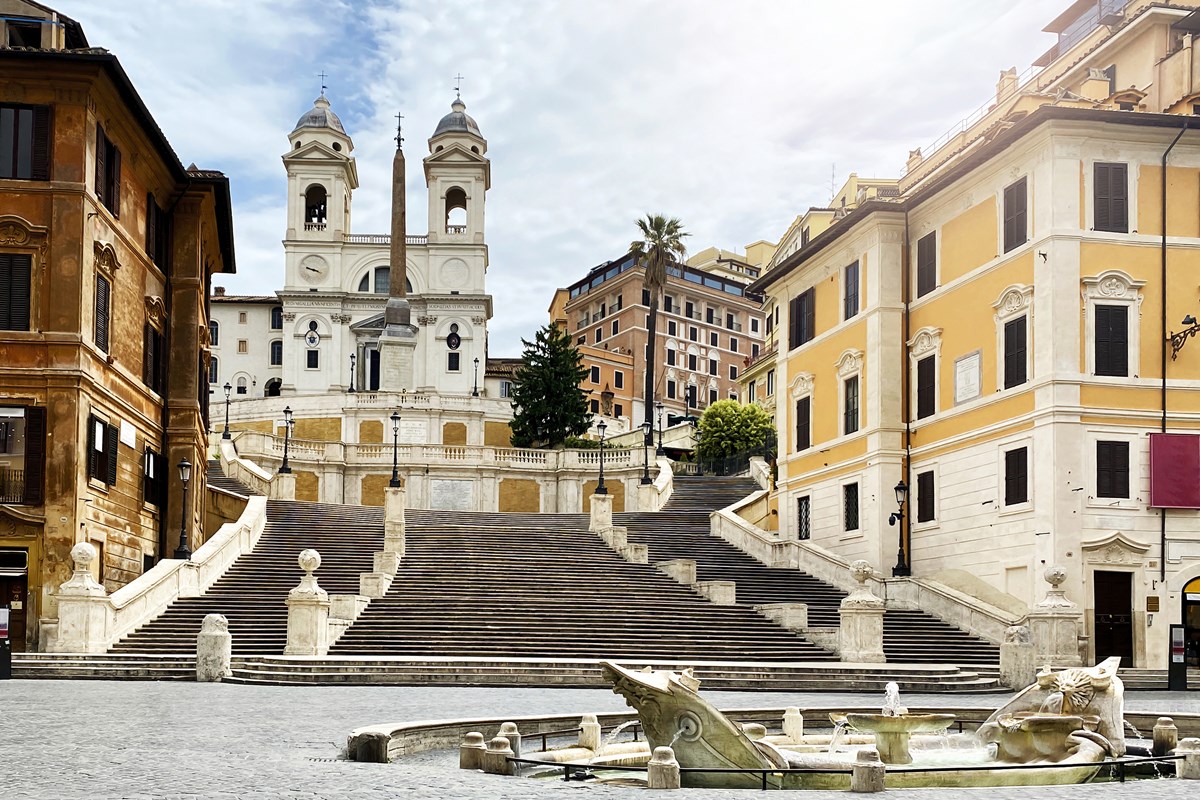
(996, 335)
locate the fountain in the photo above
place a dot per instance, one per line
(1069, 721)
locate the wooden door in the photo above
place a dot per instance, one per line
(13, 596)
(1113, 596)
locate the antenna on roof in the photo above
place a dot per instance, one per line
(458, 79)
(322, 76)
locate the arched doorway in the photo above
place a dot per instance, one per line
(1191, 621)
(272, 387)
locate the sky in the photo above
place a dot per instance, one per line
(734, 116)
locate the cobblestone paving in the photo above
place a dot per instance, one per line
(104, 740)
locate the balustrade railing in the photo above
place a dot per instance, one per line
(12, 485)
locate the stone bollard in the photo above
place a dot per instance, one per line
(719, 593)
(793, 616)
(214, 649)
(681, 569)
(1188, 767)
(601, 516)
(754, 731)
(470, 752)
(84, 610)
(1056, 624)
(393, 521)
(617, 538)
(860, 637)
(867, 773)
(283, 486)
(589, 733)
(308, 612)
(509, 731)
(793, 724)
(662, 771)
(1166, 736)
(495, 757)
(636, 553)
(1018, 658)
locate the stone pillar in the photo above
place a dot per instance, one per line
(861, 634)
(84, 610)
(1056, 624)
(682, 570)
(509, 731)
(867, 774)
(283, 486)
(636, 553)
(601, 512)
(393, 520)
(1188, 767)
(396, 357)
(589, 733)
(793, 724)
(495, 758)
(308, 612)
(662, 771)
(470, 752)
(214, 649)
(647, 497)
(793, 616)
(616, 537)
(1166, 736)
(719, 593)
(1018, 658)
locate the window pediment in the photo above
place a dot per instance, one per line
(926, 340)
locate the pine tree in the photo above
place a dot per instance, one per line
(548, 405)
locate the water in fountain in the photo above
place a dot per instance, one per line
(1129, 726)
(614, 733)
(839, 730)
(891, 700)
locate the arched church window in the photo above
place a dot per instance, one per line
(277, 318)
(456, 210)
(315, 208)
(383, 278)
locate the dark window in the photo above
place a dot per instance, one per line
(850, 295)
(154, 359)
(714, 340)
(729, 321)
(383, 280)
(691, 396)
(926, 264)
(595, 406)
(276, 353)
(595, 374)
(1015, 203)
(689, 309)
(670, 356)
(103, 440)
(668, 303)
(108, 173)
(754, 351)
(850, 506)
(16, 270)
(692, 361)
(925, 497)
(803, 518)
(802, 315)
(670, 390)
(712, 396)
(1014, 352)
(803, 423)
(733, 372)
(712, 366)
(618, 410)
(646, 298)
(926, 387)
(1016, 476)
(314, 358)
(1110, 194)
(693, 334)
(602, 311)
(1112, 469)
(25, 142)
(158, 233)
(35, 456)
(276, 318)
(671, 328)
(24, 34)
(1112, 340)
(154, 478)
(213, 370)
(103, 309)
(733, 344)
(710, 315)
(581, 340)
(214, 333)
(453, 362)
(805, 232)
(616, 327)
(619, 380)
(599, 334)
(851, 406)
(1110, 72)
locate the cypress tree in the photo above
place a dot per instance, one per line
(548, 404)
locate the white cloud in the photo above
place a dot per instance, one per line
(727, 115)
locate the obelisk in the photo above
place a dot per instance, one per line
(397, 345)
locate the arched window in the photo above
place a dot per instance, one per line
(379, 282)
(272, 387)
(314, 208)
(277, 318)
(214, 333)
(241, 385)
(456, 210)
(277, 353)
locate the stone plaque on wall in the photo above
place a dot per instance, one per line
(967, 377)
(413, 432)
(451, 495)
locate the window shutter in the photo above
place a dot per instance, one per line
(41, 143)
(810, 315)
(1015, 202)
(111, 441)
(794, 323)
(1112, 469)
(1112, 341)
(926, 386)
(114, 187)
(15, 274)
(925, 497)
(101, 172)
(803, 434)
(35, 456)
(151, 227)
(102, 309)
(1014, 352)
(926, 264)
(93, 460)
(1016, 486)
(1110, 196)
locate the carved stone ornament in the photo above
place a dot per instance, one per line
(106, 258)
(289, 316)
(926, 340)
(340, 319)
(1113, 284)
(1115, 549)
(1017, 634)
(478, 320)
(16, 232)
(1013, 301)
(202, 336)
(427, 321)
(850, 363)
(1056, 597)
(862, 596)
(802, 385)
(156, 312)
(309, 560)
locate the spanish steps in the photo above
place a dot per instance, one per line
(681, 530)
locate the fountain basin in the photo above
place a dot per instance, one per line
(892, 733)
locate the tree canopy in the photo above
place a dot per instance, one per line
(548, 404)
(728, 427)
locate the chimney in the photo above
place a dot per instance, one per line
(218, 291)
(914, 160)
(1007, 84)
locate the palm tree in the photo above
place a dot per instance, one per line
(661, 246)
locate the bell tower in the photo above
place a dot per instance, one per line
(458, 175)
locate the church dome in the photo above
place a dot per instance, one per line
(321, 116)
(457, 121)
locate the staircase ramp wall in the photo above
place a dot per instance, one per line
(950, 605)
(242, 470)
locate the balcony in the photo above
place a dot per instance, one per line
(314, 226)
(456, 230)
(12, 485)
(380, 238)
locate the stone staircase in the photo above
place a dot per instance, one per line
(215, 477)
(682, 530)
(540, 585)
(252, 594)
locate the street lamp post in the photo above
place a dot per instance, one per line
(185, 475)
(395, 481)
(600, 488)
(647, 440)
(353, 359)
(902, 567)
(659, 408)
(227, 388)
(287, 435)
(475, 388)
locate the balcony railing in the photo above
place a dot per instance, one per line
(456, 229)
(380, 238)
(12, 485)
(314, 226)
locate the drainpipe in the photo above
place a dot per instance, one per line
(906, 520)
(1164, 336)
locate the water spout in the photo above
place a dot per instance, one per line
(891, 700)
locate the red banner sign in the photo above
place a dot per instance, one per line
(1175, 470)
